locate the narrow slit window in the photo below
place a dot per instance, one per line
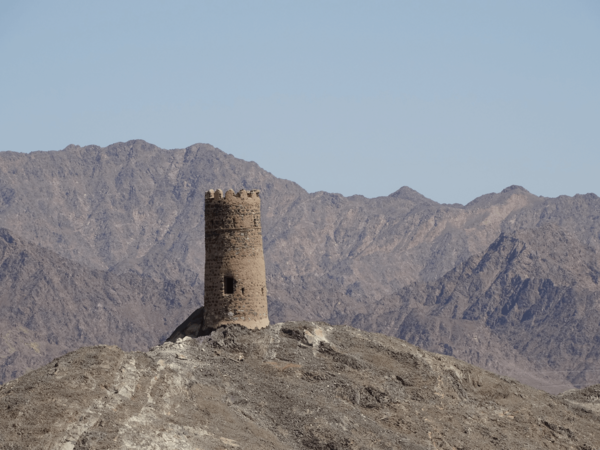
(243, 291)
(229, 285)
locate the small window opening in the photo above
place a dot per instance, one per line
(262, 291)
(229, 285)
(242, 291)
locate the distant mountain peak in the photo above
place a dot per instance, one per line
(506, 194)
(514, 189)
(408, 193)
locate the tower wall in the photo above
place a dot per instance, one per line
(235, 289)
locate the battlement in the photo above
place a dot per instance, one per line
(231, 197)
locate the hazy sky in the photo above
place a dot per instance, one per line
(452, 98)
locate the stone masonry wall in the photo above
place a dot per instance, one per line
(234, 250)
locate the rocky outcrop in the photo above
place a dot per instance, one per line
(193, 327)
(293, 385)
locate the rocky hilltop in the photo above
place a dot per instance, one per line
(296, 385)
(133, 209)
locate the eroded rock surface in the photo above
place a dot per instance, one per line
(528, 307)
(135, 208)
(132, 206)
(296, 385)
(50, 305)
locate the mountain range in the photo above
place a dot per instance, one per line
(387, 264)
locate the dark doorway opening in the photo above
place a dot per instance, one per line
(229, 285)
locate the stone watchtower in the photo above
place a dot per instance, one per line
(235, 289)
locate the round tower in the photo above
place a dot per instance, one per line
(235, 289)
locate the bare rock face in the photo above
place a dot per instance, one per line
(528, 308)
(192, 327)
(587, 399)
(50, 305)
(135, 209)
(297, 385)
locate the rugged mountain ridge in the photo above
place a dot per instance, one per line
(527, 307)
(292, 385)
(133, 208)
(50, 305)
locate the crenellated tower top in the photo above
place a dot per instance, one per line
(231, 197)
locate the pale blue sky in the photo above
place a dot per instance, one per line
(452, 98)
